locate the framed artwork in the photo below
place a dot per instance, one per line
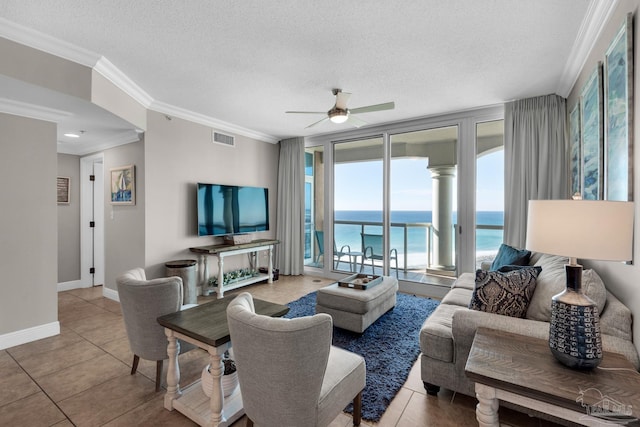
(618, 74)
(575, 151)
(592, 131)
(123, 185)
(64, 188)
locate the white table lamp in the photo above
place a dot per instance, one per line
(585, 229)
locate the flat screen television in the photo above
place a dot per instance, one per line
(232, 209)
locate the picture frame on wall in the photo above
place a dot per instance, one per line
(592, 133)
(575, 151)
(618, 75)
(63, 190)
(122, 185)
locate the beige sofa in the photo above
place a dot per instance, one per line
(447, 335)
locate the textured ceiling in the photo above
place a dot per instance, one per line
(247, 62)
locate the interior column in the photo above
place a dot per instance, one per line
(442, 216)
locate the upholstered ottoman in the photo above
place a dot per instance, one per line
(354, 309)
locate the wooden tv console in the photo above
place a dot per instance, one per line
(222, 251)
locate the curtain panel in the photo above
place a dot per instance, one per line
(290, 213)
(536, 159)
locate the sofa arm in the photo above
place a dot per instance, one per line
(466, 322)
(615, 319)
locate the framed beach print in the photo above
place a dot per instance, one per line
(575, 151)
(618, 77)
(592, 131)
(64, 188)
(123, 189)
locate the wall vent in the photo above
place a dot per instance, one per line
(221, 138)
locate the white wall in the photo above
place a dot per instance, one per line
(623, 280)
(69, 221)
(28, 226)
(178, 154)
(124, 228)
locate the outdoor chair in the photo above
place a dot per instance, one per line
(306, 382)
(372, 250)
(337, 254)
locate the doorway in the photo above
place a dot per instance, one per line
(92, 263)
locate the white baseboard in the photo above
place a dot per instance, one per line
(110, 293)
(24, 336)
(67, 286)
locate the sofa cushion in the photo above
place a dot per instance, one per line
(465, 281)
(458, 296)
(552, 281)
(436, 339)
(508, 255)
(508, 293)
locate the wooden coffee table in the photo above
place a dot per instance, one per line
(522, 370)
(206, 327)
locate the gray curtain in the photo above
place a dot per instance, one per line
(290, 213)
(535, 148)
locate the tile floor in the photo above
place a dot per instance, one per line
(82, 376)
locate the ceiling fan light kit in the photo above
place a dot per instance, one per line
(340, 113)
(337, 115)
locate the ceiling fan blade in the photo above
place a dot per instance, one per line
(317, 123)
(341, 100)
(306, 112)
(371, 108)
(354, 121)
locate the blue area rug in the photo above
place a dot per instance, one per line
(390, 347)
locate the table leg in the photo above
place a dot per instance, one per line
(173, 370)
(487, 408)
(270, 269)
(216, 369)
(220, 276)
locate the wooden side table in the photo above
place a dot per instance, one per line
(206, 327)
(522, 370)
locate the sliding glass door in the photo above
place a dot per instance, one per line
(489, 189)
(314, 207)
(358, 205)
(423, 201)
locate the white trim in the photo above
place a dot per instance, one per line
(121, 80)
(126, 137)
(46, 43)
(192, 116)
(38, 112)
(86, 206)
(24, 336)
(110, 293)
(67, 286)
(102, 65)
(598, 13)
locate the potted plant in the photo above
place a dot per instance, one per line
(229, 378)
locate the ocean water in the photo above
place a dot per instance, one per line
(487, 241)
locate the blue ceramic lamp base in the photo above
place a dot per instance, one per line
(574, 333)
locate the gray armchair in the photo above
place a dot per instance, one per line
(142, 302)
(290, 374)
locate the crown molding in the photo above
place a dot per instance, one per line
(122, 81)
(597, 15)
(102, 65)
(46, 43)
(78, 149)
(191, 116)
(24, 109)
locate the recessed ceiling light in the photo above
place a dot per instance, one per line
(72, 135)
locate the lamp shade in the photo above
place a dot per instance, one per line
(585, 229)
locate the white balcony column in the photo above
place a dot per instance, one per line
(442, 216)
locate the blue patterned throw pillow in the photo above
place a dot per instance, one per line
(508, 293)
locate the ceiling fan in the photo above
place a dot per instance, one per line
(340, 113)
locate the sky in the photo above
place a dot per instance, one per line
(358, 186)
